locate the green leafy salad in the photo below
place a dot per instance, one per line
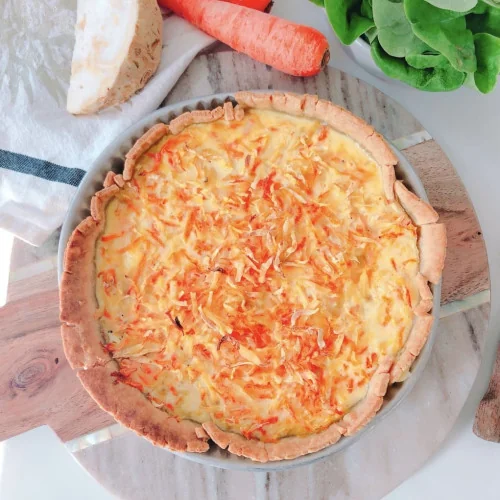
(433, 45)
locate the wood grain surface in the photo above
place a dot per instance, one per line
(38, 387)
(487, 421)
(466, 271)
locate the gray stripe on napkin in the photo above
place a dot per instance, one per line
(40, 168)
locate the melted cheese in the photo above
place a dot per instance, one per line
(253, 273)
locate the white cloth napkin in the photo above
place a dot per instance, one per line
(44, 150)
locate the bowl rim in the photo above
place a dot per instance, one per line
(112, 158)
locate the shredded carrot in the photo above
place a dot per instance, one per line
(113, 236)
(109, 280)
(168, 222)
(232, 151)
(323, 133)
(155, 276)
(409, 261)
(131, 245)
(266, 183)
(131, 205)
(256, 164)
(400, 336)
(289, 47)
(132, 289)
(156, 156)
(108, 276)
(408, 296)
(140, 268)
(155, 235)
(201, 350)
(109, 347)
(189, 225)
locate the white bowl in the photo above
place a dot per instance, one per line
(112, 158)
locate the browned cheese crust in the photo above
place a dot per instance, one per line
(96, 370)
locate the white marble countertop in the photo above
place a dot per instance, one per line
(466, 125)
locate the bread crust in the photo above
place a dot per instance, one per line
(83, 341)
(152, 136)
(426, 297)
(80, 332)
(228, 111)
(284, 449)
(132, 409)
(414, 344)
(367, 408)
(420, 212)
(432, 247)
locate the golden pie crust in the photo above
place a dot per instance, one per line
(83, 291)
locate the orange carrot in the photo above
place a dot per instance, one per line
(262, 5)
(292, 48)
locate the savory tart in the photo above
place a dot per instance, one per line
(256, 276)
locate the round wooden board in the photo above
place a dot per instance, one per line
(134, 469)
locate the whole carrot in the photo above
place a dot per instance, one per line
(292, 48)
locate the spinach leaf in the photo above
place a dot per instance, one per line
(445, 31)
(346, 19)
(480, 8)
(487, 22)
(366, 9)
(395, 33)
(422, 61)
(488, 61)
(493, 3)
(371, 34)
(436, 79)
(456, 5)
(321, 3)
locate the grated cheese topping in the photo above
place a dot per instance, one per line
(252, 273)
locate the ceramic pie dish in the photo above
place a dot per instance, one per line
(253, 277)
